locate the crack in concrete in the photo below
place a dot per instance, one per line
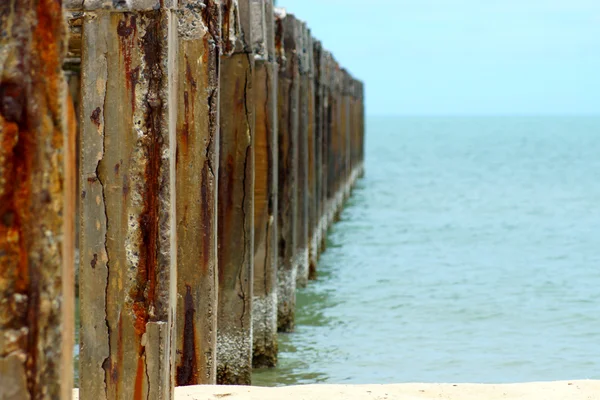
(244, 188)
(108, 367)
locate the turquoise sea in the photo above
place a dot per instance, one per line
(470, 252)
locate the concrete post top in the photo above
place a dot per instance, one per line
(262, 19)
(326, 69)
(347, 83)
(119, 5)
(279, 15)
(311, 53)
(235, 31)
(317, 54)
(303, 53)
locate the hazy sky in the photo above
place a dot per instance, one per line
(465, 56)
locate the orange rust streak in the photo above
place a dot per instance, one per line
(139, 378)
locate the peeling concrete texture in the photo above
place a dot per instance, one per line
(236, 211)
(197, 167)
(128, 199)
(287, 114)
(36, 204)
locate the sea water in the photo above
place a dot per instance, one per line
(470, 252)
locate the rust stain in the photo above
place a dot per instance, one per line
(139, 378)
(187, 371)
(207, 212)
(12, 101)
(95, 117)
(225, 26)
(185, 132)
(117, 167)
(127, 31)
(125, 186)
(188, 111)
(144, 291)
(94, 261)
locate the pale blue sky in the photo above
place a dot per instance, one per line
(465, 56)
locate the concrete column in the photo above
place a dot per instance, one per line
(318, 169)
(198, 62)
(37, 204)
(264, 307)
(312, 160)
(334, 173)
(286, 33)
(325, 72)
(362, 127)
(128, 250)
(302, 186)
(346, 133)
(236, 198)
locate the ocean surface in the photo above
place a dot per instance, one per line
(470, 252)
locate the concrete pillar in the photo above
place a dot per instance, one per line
(362, 127)
(264, 307)
(128, 251)
(286, 33)
(236, 198)
(302, 187)
(340, 145)
(346, 135)
(318, 169)
(197, 167)
(335, 166)
(37, 204)
(312, 160)
(325, 73)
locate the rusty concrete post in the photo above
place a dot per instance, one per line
(334, 173)
(302, 187)
(264, 307)
(312, 159)
(37, 183)
(347, 127)
(236, 198)
(287, 117)
(198, 60)
(340, 134)
(361, 125)
(325, 73)
(317, 55)
(128, 251)
(353, 131)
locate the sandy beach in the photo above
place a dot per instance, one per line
(565, 390)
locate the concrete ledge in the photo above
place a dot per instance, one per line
(566, 390)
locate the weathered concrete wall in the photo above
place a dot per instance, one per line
(236, 199)
(264, 307)
(128, 251)
(287, 116)
(198, 62)
(37, 184)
